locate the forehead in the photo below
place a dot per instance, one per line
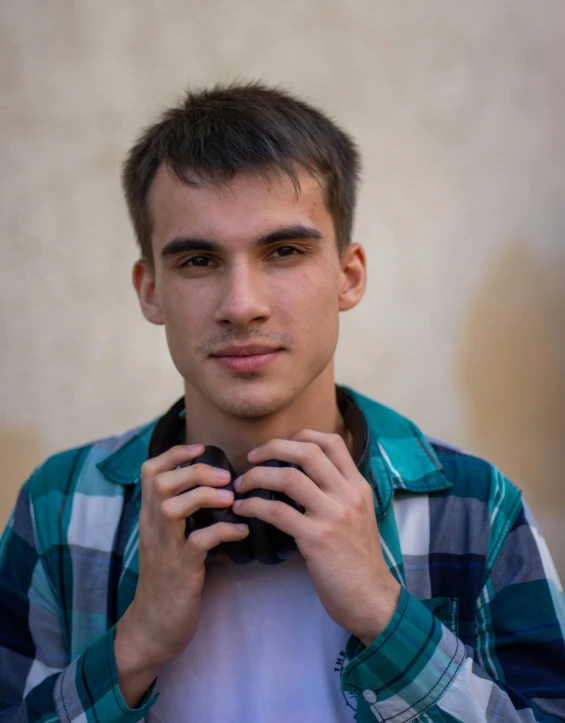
(247, 205)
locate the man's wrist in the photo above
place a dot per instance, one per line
(136, 670)
(381, 614)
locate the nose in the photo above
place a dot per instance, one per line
(242, 298)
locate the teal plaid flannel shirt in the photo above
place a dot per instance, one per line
(478, 634)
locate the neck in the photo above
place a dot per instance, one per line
(313, 408)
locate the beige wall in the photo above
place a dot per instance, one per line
(460, 113)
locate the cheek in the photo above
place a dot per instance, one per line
(184, 316)
(311, 304)
(323, 289)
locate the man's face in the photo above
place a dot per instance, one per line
(248, 262)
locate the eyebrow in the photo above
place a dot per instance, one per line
(182, 244)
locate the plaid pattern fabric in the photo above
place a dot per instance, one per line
(478, 635)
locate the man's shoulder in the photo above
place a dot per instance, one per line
(472, 475)
(93, 467)
(481, 497)
(421, 463)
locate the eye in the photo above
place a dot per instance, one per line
(293, 249)
(203, 262)
(192, 259)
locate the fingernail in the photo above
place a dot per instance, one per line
(222, 474)
(237, 483)
(225, 494)
(241, 526)
(237, 504)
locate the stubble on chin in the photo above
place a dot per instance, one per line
(246, 405)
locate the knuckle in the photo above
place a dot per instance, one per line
(277, 511)
(247, 505)
(307, 451)
(197, 541)
(200, 497)
(342, 515)
(317, 452)
(202, 494)
(214, 495)
(228, 531)
(312, 448)
(147, 469)
(293, 478)
(325, 532)
(168, 511)
(203, 473)
(160, 485)
(359, 500)
(198, 469)
(251, 475)
(207, 497)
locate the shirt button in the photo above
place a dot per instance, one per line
(370, 696)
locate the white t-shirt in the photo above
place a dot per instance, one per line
(265, 651)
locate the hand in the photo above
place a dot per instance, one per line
(163, 616)
(337, 535)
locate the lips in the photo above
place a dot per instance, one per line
(249, 350)
(249, 362)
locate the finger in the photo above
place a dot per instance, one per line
(177, 455)
(168, 484)
(307, 455)
(294, 483)
(279, 514)
(178, 508)
(200, 541)
(334, 447)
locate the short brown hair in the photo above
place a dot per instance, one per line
(219, 132)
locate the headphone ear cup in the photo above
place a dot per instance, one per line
(261, 533)
(282, 545)
(238, 551)
(204, 517)
(265, 542)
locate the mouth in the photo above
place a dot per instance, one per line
(248, 362)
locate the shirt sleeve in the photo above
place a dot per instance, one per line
(38, 683)
(418, 668)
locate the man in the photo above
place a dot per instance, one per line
(419, 588)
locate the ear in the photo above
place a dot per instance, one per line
(143, 278)
(353, 276)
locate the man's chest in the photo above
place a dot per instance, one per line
(265, 649)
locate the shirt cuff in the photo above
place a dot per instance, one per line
(408, 667)
(89, 689)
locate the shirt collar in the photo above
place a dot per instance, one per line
(401, 458)
(389, 450)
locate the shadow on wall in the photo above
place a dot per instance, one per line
(512, 370)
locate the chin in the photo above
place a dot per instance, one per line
(250, 401)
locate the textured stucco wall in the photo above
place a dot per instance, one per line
(460, 113)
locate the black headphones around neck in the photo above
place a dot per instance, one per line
(265, 543)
